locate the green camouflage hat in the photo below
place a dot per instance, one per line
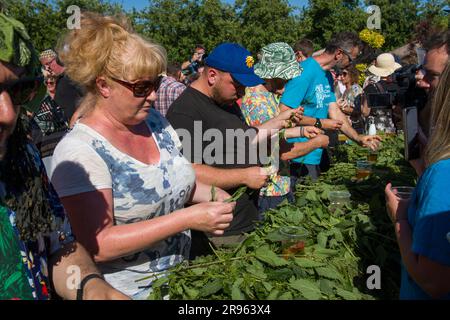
(277, 61)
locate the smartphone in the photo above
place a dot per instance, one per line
(411, 132)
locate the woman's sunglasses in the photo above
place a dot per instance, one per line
(141, 89)
(24, 90)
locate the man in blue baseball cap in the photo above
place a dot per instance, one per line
(208, 108)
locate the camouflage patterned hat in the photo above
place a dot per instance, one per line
(277, 61)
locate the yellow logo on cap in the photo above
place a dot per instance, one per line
(249, 61)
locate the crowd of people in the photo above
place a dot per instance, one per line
(104, 141)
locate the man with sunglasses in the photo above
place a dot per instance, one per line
(39, 259)
(313, 90)
(68, 94)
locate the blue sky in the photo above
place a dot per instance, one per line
(139, 4)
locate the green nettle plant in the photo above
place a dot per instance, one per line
(334, 258)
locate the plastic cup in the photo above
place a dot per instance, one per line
(402, 192)
(372, 156)
(363, 169)
(294, 241)
(339, 197)
(342, 137)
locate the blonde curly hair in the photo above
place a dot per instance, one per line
(107, 46)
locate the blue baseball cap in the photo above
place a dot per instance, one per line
(235, 59)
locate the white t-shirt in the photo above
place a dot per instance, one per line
(85, 161)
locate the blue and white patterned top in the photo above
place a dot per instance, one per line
(85, 161)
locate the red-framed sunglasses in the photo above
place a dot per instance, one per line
(141, 89)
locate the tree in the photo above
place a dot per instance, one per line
(331, 16)
(398, 19)
(181, 24)
(46, 22)
(264, 22)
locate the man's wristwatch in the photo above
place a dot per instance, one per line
(318, 123)
(83, 284)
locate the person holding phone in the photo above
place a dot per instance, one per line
(422, 223)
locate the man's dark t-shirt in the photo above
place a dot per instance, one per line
(197, 113)
(68, 95)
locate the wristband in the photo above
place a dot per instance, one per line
(83, 284)
(302, 132)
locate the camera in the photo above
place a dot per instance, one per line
(411, 99)
(403, 91)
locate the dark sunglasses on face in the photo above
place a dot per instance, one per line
(22, 91)
(141, 89)
(350, 59)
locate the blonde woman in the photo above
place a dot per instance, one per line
(119, 172)
(422, 225)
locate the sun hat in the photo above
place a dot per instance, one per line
(235, 59)
(385, 65)
(277, 61)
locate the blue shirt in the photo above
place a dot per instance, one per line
(313, 90)
(429, 217)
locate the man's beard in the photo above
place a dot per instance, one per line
(341, 65)
(219, 99)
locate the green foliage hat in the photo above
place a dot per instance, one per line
(277, 61)
(15, 43)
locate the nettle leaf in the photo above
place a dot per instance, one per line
(347, 295)
(315, 220)
(191, 293)
(326, 286)
(267, 286)
(273, 294)
(268, 256)
(324, 252)
(338, 235)
(308, 263)
(310, 290)
(159, 282)
(286, 296)
(198, 271)
(236, 293)
(296, 217)
(301, 202)
(211, 288)
(322, 239)
(334, 221)
(329, 272)
(256, 269)
(283, 274)
(311, 195)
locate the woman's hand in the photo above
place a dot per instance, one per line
(211, 217)
(371, 142)
(311, 132)
(345, 106)
(396, 207)
(341, 103)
